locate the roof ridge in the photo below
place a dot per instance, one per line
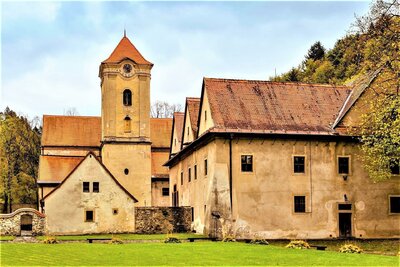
(69, 116)
(274, 82)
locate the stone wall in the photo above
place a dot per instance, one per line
(10, 224)
(155, 220)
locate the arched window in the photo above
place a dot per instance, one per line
(127, 124)
(127, 97)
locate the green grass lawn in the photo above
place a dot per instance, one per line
(201, 253)
(123, 236)
(6, 238)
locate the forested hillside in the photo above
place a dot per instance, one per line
(371, 46)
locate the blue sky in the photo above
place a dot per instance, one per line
(51, 51)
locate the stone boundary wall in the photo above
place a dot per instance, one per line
(10, 224)
(157, 220)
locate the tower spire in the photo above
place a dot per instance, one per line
(124, 32)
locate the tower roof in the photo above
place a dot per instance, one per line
(125, 49)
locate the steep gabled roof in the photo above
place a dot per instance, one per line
(75, 131)
(178, 124)
(193, 105)
(274, 107)
(359, 86)
(103, 166)
(125, 49)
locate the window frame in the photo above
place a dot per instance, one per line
(182, 178)
(294, 204)
(389, 204)
(304, 165)
(83, 187)
(195, 171)
(98, 187)
(129, 100)
(252, 163)
(163, 189)
(348, 166)
(189, 174)
(85, 215)
(205, 167)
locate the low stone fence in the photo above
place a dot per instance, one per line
(10, 224)
(157, 220)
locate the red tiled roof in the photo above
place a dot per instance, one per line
(263, 106)
(125, 49)
(71, 131)
(193, 105)
(178, 123)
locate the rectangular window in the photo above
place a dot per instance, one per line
(299, 164)
(189, 174)
(343, 165)
(394, 167)
(195, 172)
(165, 191)
(394, 204)
(192, 214)
(181, 178)
(96, 187)
(89, 216)
(247, 163)
(86, 187)
(205, 167)
(299, 204)
(344, 207)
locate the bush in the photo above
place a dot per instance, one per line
(350, 248)
(298, 244)
(259, 242)
(50, 240)
(116, 241)
(229, 239)
(172, 240)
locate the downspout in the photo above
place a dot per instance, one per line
(230, 170)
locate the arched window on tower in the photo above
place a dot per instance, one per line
(127, 97)
(127, 124)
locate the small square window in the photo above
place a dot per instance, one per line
(299, 204)
(205, 167)
(181, 178)
(114, 211)
(189, 174)
(394, 167)
(343, 165)
(89, 216)
(165, 191)
(96, 187)
(394, 204)
(298, 165)
(247, 163)
(86, 187)
(195, 172)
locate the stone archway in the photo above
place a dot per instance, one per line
(22, 221)
(26, 224)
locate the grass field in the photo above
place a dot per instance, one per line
(201, 253)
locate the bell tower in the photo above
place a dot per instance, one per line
(125, 114)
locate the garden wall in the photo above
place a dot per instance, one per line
(157, 220)
(10, 224)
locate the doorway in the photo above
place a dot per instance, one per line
(345, 225)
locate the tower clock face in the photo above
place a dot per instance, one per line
(127, 68)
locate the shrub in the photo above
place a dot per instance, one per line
(229, 239)
(298, 244)
(50, 240)
(259, 242)
(116, 241)
(172, 240)
(350, 248)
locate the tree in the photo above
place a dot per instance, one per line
(19, 160)
(380, 127)
(71, 112)
(161, 109)
(316, 52)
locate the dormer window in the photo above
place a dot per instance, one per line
(127, 97)
(127, 124)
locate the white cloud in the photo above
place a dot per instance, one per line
(42, 11)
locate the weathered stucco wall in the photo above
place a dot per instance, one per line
(263, 200)
(157, 197)
(65, 208)
(154, 220)
(10, 224)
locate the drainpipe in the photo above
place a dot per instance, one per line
(230, 170)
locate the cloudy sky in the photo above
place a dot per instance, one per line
(51, 51)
